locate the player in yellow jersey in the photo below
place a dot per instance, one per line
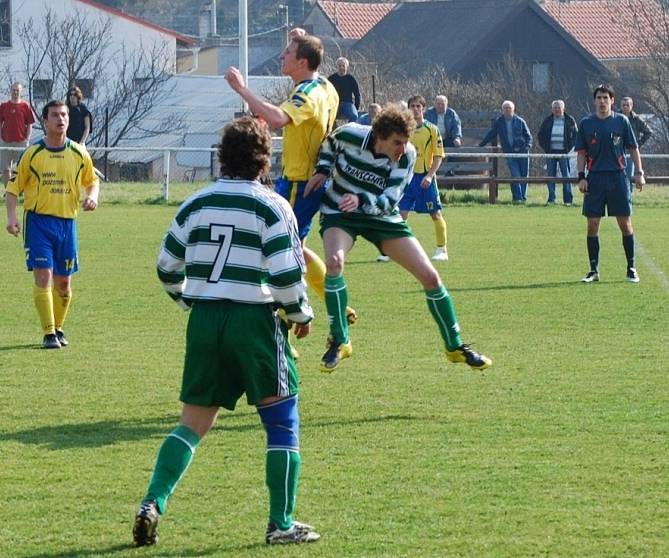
(50, 174)
(422, 194)
(306, 117)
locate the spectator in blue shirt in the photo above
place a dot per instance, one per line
(372, 110)
(447, 120)
(514, 137)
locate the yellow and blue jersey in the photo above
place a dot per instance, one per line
(51, 179)
(428, 143)
(312, 108)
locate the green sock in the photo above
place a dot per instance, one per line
(174, 457)
(442, 310)
(336, 299)
(283, 473)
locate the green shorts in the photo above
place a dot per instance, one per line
(234, 348)
(373, 229)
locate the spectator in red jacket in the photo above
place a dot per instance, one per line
(16, 125)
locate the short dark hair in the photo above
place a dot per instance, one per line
(601, 88)
(309, 48)
(393, 120)
(417, 99)
(52, 103)
(245, 149)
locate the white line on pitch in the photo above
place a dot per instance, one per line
(650, 264)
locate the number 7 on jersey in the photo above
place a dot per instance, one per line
(222, 234)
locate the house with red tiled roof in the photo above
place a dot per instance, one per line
(338, 24)
(345, 22)
(465, 38)
(608, 30)
(181, 39)
(606, 27)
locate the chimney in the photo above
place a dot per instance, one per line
(212, 15)
(207, 21)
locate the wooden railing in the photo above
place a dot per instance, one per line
(478, 166)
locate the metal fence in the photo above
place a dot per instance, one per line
(167, 168)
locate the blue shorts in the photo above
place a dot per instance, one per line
(608, 194)
(304, 208)
(50, 243)
(420, 200)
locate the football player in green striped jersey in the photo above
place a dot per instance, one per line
(233, 256)
(370, 167)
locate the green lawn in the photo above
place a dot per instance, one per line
(559, 450)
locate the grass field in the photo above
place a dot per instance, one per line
(559, 450)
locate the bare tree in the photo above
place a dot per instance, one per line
(649, 25)
(71, 50)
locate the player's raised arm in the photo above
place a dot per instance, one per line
(272, 114)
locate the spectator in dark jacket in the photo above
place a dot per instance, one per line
(447, 120)
(557, 134)
(348, 91)
(81, 120)
(641, 131)
(515, 137)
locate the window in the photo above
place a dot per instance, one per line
(87, 87)
(5, 24)
(541, 74)
(42, 88)
(141, 83)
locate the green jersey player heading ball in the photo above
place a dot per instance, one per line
(370, 166)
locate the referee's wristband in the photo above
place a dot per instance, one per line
(581, 175)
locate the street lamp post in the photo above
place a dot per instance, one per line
(244, 44)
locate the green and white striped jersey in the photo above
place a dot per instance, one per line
(346, 155)
(236, 240)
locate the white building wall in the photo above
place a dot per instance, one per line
(134, 35)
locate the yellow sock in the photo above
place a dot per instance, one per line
(316, 276)
(44, 304)
(61, 304)
(440, 230)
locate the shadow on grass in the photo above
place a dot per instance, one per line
(105, 433)
(91, 434)
(550, 285)
(81, 552)
(419, 290)
(18, 347)
(367, 420)
(118, 548)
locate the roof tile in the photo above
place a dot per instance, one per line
(353, 19)
(604, 27)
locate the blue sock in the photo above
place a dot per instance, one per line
(628, 245)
